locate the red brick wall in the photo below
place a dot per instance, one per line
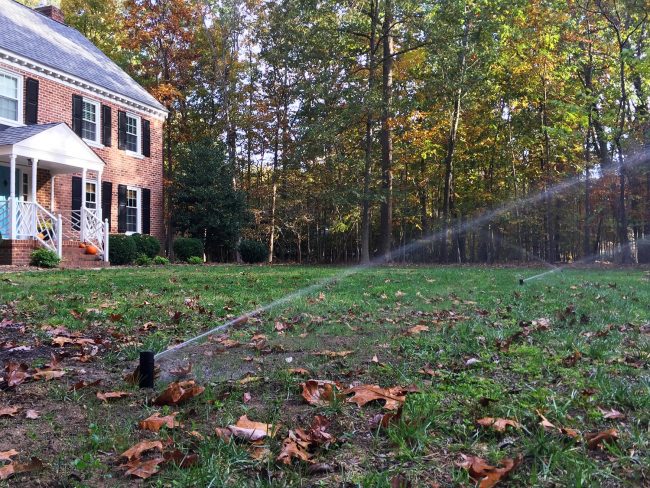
(55, 105)
(17, 253)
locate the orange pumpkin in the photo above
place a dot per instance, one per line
(90, 249)
(82, 245)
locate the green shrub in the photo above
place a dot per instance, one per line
(186, 247)
(160, 261)
(146, 244)
(121, 249)
(253, 251)
(44, 258)
(143, 260)
(195, 260)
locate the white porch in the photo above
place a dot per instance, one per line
(58, 150)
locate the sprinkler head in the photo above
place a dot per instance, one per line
(146, 369)
(521, 281)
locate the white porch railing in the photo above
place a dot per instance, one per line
(35, 222)
(85, 225)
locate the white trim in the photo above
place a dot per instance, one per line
(98, 109)
(139, 209)
(20, 108)
(78, 84)
(138, 125)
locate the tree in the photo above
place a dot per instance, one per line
(205, 203)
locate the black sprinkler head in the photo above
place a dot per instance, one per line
(146, 369)
(521, 281)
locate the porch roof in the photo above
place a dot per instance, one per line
(55, 146)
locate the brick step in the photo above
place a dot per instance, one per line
(83, 264)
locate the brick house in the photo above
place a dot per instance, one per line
(80, 142)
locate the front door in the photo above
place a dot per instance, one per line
(5, 178)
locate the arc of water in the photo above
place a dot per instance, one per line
(486, 217)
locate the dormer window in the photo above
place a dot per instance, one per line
(10, 98)
(90, 121)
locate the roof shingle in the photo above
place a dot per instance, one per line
(14, 135)
(31, 35)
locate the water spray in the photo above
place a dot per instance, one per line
(486, 217)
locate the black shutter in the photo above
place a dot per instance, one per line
(76, 202)
(146, 138)
(77, 113)
(31, 105)
(107, 121)
(107, 200)
(121, 208)
(146, 211)
(121, 130)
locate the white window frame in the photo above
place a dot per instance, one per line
(139, 209)
(138, 123)
(91, 181)
(98, 126)
(21, 108)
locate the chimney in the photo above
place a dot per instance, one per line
(52, 12)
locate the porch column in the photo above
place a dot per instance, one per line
(13, 207)
(84, 174)
(98, 195)
(34, 179)
(52, 193)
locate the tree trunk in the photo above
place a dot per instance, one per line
(367, 169)
(386, 223)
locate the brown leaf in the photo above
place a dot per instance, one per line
(32, 414)
(394, 397)
(545, 423)
(572, 360)
(299, 371)
(111, 395)
(34, 464)
(181, 459)
(155, 422)
(294, 448)
(485, 475)
(182, 370)
(252, 431)
(16, 373)
(47, 374)
(143, 469)
(498, 424)
(84, 384)
(594, 441)
(136, 451)
(612, 414)
(9, 411)
(76, 341)
(400, 481)
(7, 455)
(333, 354)
(417, 330)
(6, 471)
(384, 420)
(116, 317)
(178, 392)
(319, 392)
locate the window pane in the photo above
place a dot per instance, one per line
(132, 134)
(89, 121)
(8, 86)
(91, 195)
(131, 210)
(8, 108)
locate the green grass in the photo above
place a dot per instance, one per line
(604, 315)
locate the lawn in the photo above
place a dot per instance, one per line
(554, 363)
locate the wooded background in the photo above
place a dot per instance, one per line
(356, 127)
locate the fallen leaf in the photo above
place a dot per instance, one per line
(498, 424)
(249, 379)
(111, 395)
(143, 469)
(594, 441)
(572, 360)
(252, 431)
(333, 354)
(182, 370)
(394, 397)
(472, 361)
(178, 392)
(247, 397)
(319, 392)
(9, 411)
(155, 422)
(417, 330)
(294, 448)
(611, 414)
(141, 447)
(400, 481)
(485, 475)
(7, 455)
(545, 422)
(299, 371)
(84, 384)
(181, 459)
(298, 443)
(47, 374)
(16, 373)
(32, 414)
(384, 420)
